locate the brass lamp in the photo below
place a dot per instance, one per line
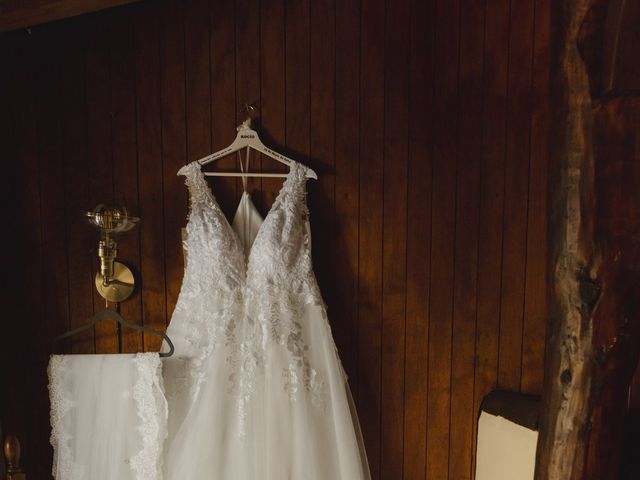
(114, 281)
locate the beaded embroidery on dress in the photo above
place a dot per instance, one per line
(256, 389)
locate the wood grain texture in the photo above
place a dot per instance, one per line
(100, 146)
(370, 227)
(174, 144)
(535, 295)
(427, 124)
(491, 203)
(514, 239)
(467, 215)
(80, 240)
(443, 236)
(347, 118)
(394, 236)
(222, 61)
(125, 161)
(419, 197)
(146, 20)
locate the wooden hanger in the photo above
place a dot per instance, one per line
(115, 316)
(245, 139)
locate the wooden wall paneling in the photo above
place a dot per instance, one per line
(370, 227)
(12, 408)
(443, 237)
(297, 92)
(247, 42)
(394, 236)
(54, 292)
(125, 161)
(150, 170)
(516, 194)
(198, 69)
(422, 120)
(99, 146)
(223, 96)
(346, 206)
(469, 140)
(52, 284)
(535, 301)
(29, 234)
(297, 83)
(321, 199)
(53, 278)
(22, 105)
(81, 238)
(174, 144)
(419, 188)
(272, 105)
(491, 202)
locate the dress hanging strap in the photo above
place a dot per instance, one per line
(244, 168)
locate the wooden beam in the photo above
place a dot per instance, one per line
(594, 333)
(567, 378)
(23, 16)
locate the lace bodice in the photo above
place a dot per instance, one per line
(280, 257)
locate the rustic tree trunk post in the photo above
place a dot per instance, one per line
(594, 333)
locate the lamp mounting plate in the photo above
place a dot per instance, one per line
(121, 285)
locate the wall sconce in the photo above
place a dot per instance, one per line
(114, 281)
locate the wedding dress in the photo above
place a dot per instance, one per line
(256, 389)
(108, 416)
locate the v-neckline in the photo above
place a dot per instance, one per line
(209, 192)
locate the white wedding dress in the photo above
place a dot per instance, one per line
(256, 389)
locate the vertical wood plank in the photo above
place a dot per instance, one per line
(223, 96)
(535, 301)
(516, 191)
(125, 161)
(396, 124)
(496, 38)
(463, 417)
(322, 145)
(370, 227)
(13, 408)
(347, 29)
(419, 173)
(443, 238)
(52, 196)
(247, 79)
(297, 94)
(80, 237)
(99, 146)
(197, 71)
(150, 170)
(54, 275)
(272, 94)
(174, 147)
(22, 62)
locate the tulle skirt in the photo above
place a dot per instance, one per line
(269, 410)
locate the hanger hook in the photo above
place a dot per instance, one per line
(250, 109)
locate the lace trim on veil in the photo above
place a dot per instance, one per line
(151, 407)
(151, 410)
(64, 465)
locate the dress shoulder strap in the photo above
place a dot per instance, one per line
(195, 182)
